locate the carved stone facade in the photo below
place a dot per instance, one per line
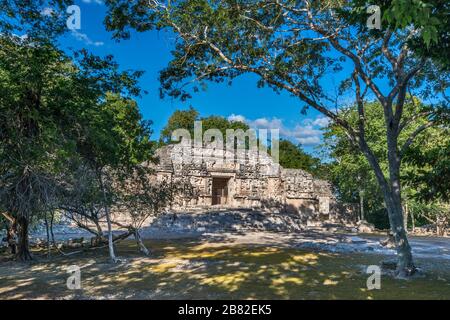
(251, 179)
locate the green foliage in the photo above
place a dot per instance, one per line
(429, 17)
(41, 20)
(184, 119)
(222, 124)
(421, 173)
(33, 85)
(70, 132)
(60, 114)
(272, 41)
(115, 135)
(293, 157)
(180, 119)
(431, 158)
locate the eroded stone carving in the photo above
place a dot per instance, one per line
(252, 180)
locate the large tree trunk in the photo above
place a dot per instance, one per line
(11, 237)
(23, 248)
(11, 232)
(405, 264)
(392, 198)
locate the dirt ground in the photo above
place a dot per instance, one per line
(217, 268)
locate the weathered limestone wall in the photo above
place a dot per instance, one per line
(254, 181)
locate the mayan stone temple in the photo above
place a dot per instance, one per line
(251, 180)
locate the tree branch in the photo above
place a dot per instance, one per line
(8, 217)
(413, 135)
(406, 122)
(387, 53)
(356, 60)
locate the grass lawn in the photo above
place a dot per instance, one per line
(195, 269)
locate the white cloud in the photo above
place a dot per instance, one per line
(23, 37)
(84, 37)
(260, 123)
(321, 121)
(307, 133)
(309, 141)
(236, 117)
(264, 123)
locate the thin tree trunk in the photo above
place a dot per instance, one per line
(405, 216)
(48, 235)
(440, 226)
(108, 221)
(52, 234)
(361, 204)
(23, 247)
(99, 229)
(413, 222)
(141, 245)
(100, 237)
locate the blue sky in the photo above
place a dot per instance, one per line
(150, 52)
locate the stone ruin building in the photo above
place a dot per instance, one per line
(252, 180)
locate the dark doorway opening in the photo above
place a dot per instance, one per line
(220, 191)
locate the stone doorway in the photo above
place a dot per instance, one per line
(220, 191)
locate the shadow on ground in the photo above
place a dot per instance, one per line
(195, 269)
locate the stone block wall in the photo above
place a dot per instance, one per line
(254, 181)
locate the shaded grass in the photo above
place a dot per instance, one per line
(192, 269)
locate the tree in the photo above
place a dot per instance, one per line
(293, 157)
(55, 109)
(82, 200)
(429, 17)
(180, 119)
(33, 88)
(431, 156)
(350, 171)
(184, 119)
(40, 20)
(142, 195)
(424, 159)
(293, 46)
(134, 194)
(61, 112)
(35, 85)
(115, 140)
